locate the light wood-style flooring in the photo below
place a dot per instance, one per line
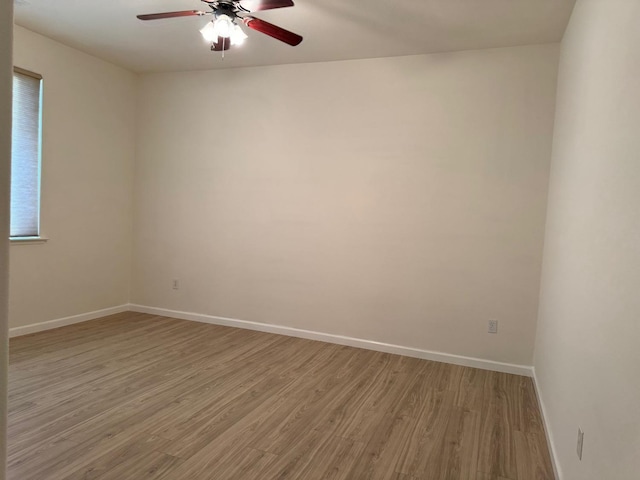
(138, 397)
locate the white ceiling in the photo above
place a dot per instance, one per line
(332, 29)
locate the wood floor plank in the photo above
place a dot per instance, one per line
(152, 465)
(137, 453)
(486, 476)
(424, 434)
(501, 418)
(135, 396)
(235, 463)
(531, 462)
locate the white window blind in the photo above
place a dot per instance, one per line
(25, 156)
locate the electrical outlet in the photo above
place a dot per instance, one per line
(175, 285)
(580, 441)
(493, 326)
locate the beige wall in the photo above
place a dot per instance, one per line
(87, 168)
(399, 200)
(6, 34)
(588, 342)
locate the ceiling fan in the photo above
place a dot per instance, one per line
(223, 31)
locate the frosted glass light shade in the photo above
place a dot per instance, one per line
(237, 36)
(223, 26)
(208, 32)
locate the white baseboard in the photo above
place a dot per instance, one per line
(61, 322)
(340, 340)
(547, 429)
(281, 330)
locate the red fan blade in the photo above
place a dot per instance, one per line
(221, 44)
(272, 30)
(257, 5)
(183, 13)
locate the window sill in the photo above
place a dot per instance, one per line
(27, 240)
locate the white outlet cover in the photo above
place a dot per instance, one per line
(493, 326)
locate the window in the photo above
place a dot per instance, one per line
(25, 156)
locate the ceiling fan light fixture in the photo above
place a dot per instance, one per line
(209, 32)
(223, 26)
(226, 14)
(237, 35)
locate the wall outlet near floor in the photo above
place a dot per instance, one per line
(493, 326)
(580, 440)
(175, 285)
